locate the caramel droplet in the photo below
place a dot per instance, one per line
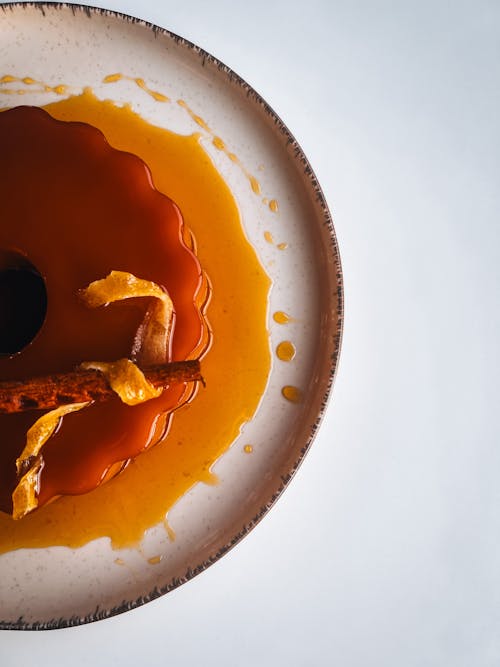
(158, 97)
(209, 478)
(282, 246)
(281, 318)
(154, 560)
(218, 143)
(111, 78)
(273, 205)
(254, 184)
(269, 237)
(292, 394)
(248, 449)
(285, 351)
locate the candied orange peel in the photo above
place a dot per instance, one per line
(30, 463)
(126, 379)
(151, 343)
(25, 495)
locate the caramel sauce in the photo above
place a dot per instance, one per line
(254, 184)
(237, 363)
(154, 560)
(42, 87)
(219, 143)
(291, 393)
(156, 95)
(221, 146)
(270, 239)
(281, 317)
(285, 350)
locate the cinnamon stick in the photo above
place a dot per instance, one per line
(52, 391)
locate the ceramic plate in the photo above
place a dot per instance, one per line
(79, 47)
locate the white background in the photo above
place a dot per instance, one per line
(385, 549)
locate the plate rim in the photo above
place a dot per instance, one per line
(333, 253)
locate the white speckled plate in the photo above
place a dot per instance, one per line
(58, 586)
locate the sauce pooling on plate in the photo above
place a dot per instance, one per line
(235, 368)
(77, 208)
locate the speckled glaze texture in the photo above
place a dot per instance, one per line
(300, 254)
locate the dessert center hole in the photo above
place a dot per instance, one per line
(23, 302)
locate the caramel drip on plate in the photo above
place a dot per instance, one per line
(59, 89)
(140, 83)
(281, 317)
(270, 239)
(285, 351)
(221, 146)
(155, 560)
(292, 394)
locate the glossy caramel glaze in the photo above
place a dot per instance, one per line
(69, 257)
